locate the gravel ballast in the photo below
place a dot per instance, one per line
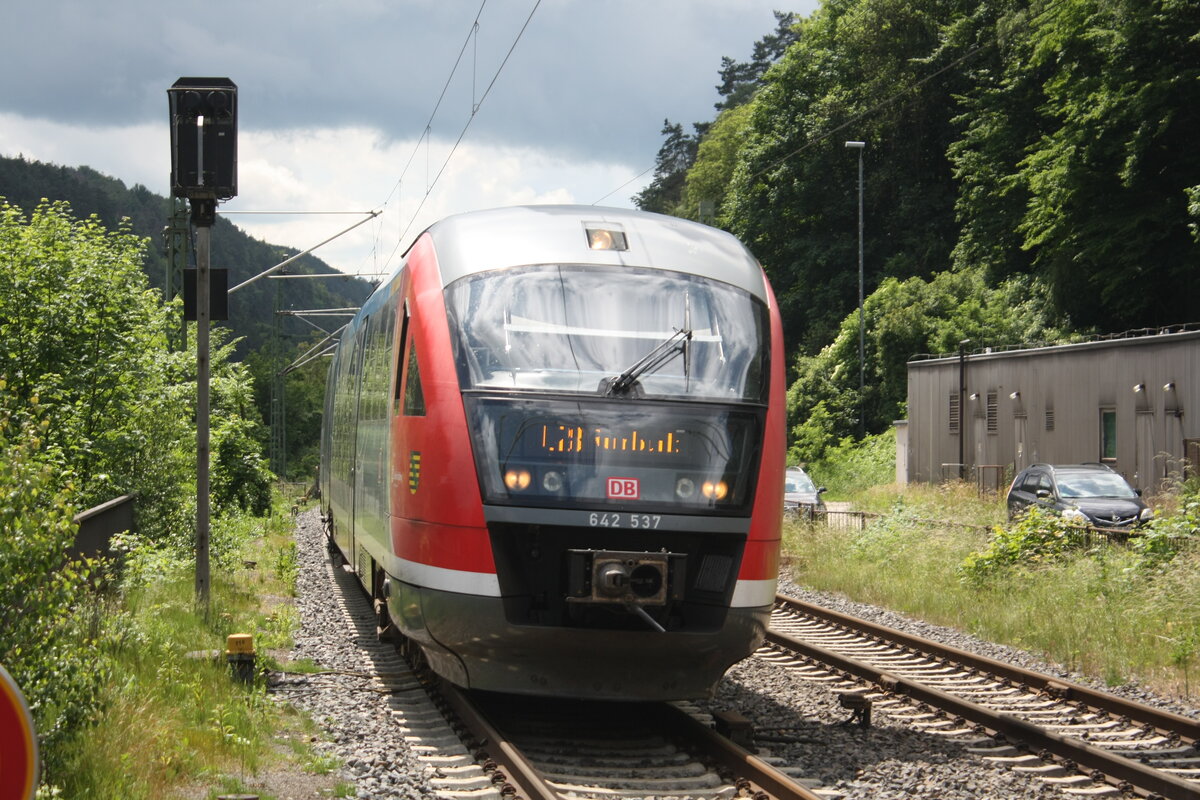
(352, 709)
(810, 733)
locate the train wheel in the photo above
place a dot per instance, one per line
(385, 630)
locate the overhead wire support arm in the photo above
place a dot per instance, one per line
(308, 356)
(300, 362)
(314, 275)
(303, 316)
(319, 312)
(369, 215)
(313, 325)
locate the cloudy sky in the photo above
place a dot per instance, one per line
(337, 100)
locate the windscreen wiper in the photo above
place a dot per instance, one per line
(660, 355)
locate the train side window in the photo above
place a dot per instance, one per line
(409, 397)
(414, 398)
(400, 345)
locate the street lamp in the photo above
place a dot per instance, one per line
(862, 423)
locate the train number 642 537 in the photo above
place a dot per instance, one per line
(638, 521)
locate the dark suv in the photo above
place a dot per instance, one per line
(1090, 494)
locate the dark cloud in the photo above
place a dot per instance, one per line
(590, 79)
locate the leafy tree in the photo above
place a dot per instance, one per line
(93, 405)
(708, 178)
(740, 79)
(675, 156)
(1001, 116)
(303, 402)
(86, 337)
(1081, 155)
(240, 477)
(903, 319)
(794, 194)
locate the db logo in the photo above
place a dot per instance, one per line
(623, 489)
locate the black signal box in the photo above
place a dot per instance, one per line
(203, 138)
(218, 298)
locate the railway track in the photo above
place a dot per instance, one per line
(562, 750)
(480, 746)
(1089, 742)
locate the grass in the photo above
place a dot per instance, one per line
(174, 718)
(1103, 610)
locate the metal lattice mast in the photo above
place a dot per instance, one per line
(178, 240)
(278, 453)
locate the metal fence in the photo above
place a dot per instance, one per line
(848, 520)
(844, 520)
(98, 525)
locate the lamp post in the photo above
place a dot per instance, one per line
(862, 421)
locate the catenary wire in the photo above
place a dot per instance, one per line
(475, 109)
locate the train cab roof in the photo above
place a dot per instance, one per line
(479, 241)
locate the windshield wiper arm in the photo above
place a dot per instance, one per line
(651, 361)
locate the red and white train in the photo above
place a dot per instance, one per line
(553, 451)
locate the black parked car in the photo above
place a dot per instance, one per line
(1089, 494)
(801, 497)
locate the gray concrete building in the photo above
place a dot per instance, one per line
(1120, 401)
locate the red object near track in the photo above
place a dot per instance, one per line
(553, 451)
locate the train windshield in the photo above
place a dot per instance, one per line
(614, 331)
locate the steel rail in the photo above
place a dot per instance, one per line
(1164, 721)
(522, 775)
(741, 763)
(1117, 767)
(760, 777)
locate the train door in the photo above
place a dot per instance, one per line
(407, 401)
(371, 535)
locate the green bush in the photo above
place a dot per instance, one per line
(47, 633)
(852, 466)
(1161, 540)
(241, 480)
(85, 334)
(1038, 536)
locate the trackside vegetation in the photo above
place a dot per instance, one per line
(1121, 612)
(173, 723)
(94, 405)
(1028, 175)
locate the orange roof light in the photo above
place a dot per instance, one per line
(610, 238)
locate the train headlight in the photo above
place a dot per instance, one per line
(607, 238)
(715, 490)
(552, 481)
(517, 479)
(685, 488)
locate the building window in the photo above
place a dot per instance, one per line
(993, 407)
(955, 413)
(1049, 419)
(1108, 434)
